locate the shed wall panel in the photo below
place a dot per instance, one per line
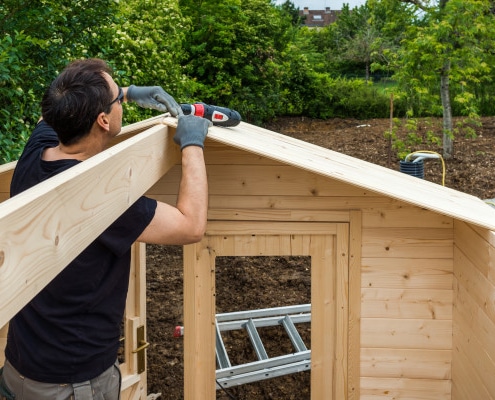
(406, 265)
(404, 388)
(411, 303)
(473, 363)
(393, 363)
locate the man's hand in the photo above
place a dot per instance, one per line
(191, 131)
(153, 97)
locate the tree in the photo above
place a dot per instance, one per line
(37, 40)
(289, 8)
(234, 53)
(357, 43)
(146, 48)
(446, 56)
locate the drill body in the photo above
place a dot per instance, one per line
(220, 116)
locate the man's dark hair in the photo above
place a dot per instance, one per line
(75, 98)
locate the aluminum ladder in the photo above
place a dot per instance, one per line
(228, 375)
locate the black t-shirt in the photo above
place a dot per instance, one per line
(70, 331)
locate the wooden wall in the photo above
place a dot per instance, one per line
(406, 271)
(473, 364)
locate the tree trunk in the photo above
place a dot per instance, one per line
(448, 143)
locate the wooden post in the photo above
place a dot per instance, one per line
(199, 321)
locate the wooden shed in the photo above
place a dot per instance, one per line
(402, 270)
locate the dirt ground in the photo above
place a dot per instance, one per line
(247, 285)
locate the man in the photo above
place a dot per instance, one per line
(64, 343)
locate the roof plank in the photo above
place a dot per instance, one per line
(357, 172)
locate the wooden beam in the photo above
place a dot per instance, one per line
(199, 319)
(47, 226)
(357, 173)
(354, 329)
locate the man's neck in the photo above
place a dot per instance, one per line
(84, 149)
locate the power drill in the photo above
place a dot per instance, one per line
(220, 116)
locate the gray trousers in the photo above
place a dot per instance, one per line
(15, 386)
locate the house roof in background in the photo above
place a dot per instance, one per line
(319, 18)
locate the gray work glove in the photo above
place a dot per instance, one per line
(153, 97)
(191, 131)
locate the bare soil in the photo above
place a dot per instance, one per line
(244, 284)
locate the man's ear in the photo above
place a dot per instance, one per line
(103, 121)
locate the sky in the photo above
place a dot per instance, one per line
(322, 4)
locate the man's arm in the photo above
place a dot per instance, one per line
(185, 223)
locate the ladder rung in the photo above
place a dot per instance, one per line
(256, 341)
(294, 336)
(262, 322)
(265, 364)
(264, 312)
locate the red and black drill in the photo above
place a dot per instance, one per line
(220, 116)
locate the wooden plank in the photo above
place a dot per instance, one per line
(300, 244)
(134, 384)
(289, 202)
(258, 180)
(199, 319)
(62, 215)
(405, 216)
(406, 333)
(3, 343)
(358, 173)
(467, 313)
(405, 389)
(341, 310)
(251, 228)
(256, 214)
(407, 243)
(406, 363)
(220, 154)
(476, 249)
(471, 365)
(294, 214)
(323, 317)
(407, 303)
(6, 172)
(407, 273)
(354, 362)
(486, 234)
(465, 376)
(365, 204)
(481, 290)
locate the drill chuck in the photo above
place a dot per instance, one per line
(220, 116)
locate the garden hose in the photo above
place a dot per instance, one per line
(421, 154)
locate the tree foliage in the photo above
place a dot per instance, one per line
(252, 55)
(445, 58)
(146, 49)
(234, 52)
(37, 39)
